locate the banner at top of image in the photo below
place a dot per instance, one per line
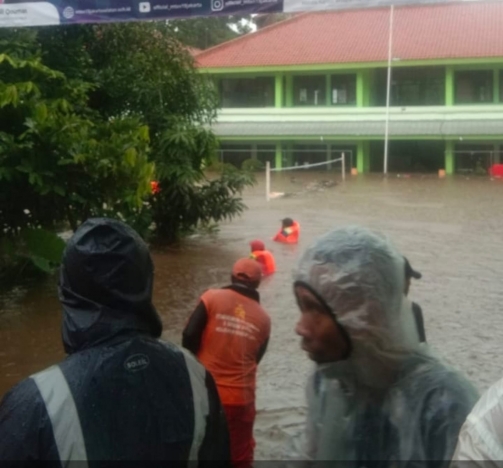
(53, 12)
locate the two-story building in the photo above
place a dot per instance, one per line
(302, 89)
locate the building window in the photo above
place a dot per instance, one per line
(411, 86)
(473, 87)
(309, 90)
(247, 92)
(474, 158)
(423, 86)
(343, 90)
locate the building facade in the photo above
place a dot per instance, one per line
(308, 88)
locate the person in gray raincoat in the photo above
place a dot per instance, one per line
(121, 395)
(377, 398)
(480, 443)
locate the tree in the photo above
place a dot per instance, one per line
(60, 161)
(186, 196)
(262, 21)
(85, 119)
(203, 33)
(157, 81)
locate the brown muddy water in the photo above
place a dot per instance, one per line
(451, 230)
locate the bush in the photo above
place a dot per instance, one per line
(188, 199)
(252, 165)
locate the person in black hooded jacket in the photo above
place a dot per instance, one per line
(121, 394)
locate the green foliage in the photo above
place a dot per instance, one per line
(202, 33)
(177, 104)
(60, 162)
(263, 21)
(218, 167)
(187, 198)
(252, 165)
(43, 248)
(90, 116)
(36, 247)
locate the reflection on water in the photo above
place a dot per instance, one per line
(449, 229)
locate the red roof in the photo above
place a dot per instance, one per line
(441, 31)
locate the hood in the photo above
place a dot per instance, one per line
(257, 245)
(359, 276)
(105, 285)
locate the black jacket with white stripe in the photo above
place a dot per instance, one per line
(121, 394)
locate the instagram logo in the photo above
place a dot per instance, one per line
(217, 5)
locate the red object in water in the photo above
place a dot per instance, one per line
(496, 170)
(289, 235)
(155, 187)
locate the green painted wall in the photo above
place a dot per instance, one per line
(349, 138)
(278, 90)
(347, 67)
(361, 86)
(449, 86)
(278, 160)
(449, 157)
(363, 157)
(368, 83)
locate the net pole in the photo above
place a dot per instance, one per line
(343, 166)
(267, 180)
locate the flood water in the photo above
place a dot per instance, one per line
(451, 231)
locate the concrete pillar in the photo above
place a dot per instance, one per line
(254, 151)
(367, 87)
(360, 89)
(449, 86)
(449, 157)
(363, 157)
(278, 90)
(278, 160)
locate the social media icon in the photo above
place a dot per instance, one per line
(144, 7)
(68, 12)
(217, 5)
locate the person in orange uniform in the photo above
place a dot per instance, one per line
(263, 256)
(229, 332)
(289, 232)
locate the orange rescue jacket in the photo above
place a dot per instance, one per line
(289, 235)
(266, 259)
(237, 328)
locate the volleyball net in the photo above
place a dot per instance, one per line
(332, 167)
